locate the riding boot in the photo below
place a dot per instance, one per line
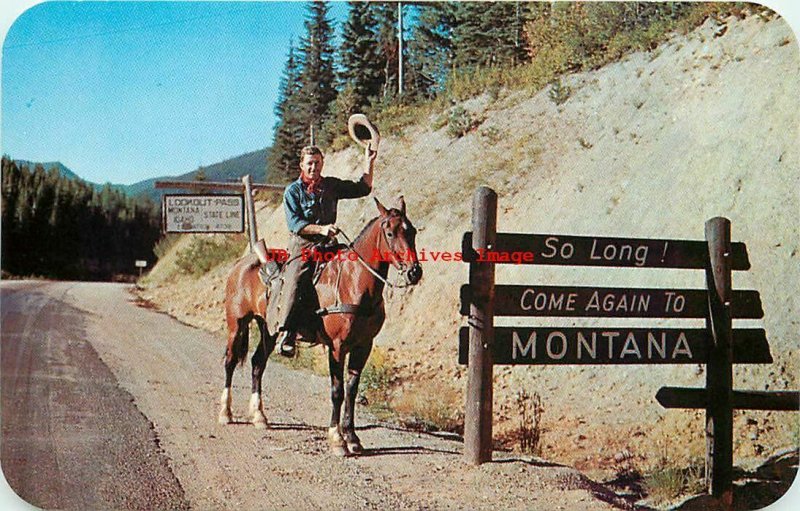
(286, 343)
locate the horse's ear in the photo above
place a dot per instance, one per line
(402, 204)
(380, 207)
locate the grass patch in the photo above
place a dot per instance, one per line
(375, 387)
(165, 244)
(307, 358)
(394, 117)
(430, 408)
(667, 482)
(204, 253)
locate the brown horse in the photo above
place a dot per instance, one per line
(350, 291)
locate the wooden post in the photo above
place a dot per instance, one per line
(719, 373)
(478, 410)
(252, 230)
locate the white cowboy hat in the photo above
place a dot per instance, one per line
(363, 132)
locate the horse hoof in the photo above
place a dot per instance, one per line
(260, 422)
(224, 419)
(355, 448)
(340, 451)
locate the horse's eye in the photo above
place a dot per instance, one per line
(389, 234)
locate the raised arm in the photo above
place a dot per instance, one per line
(369, 164)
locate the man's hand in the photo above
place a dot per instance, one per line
(370, 154)
(329, 231)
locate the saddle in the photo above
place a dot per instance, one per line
(272, 262)
(271, 274)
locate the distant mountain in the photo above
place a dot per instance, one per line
(65, 172)
(62, 169)
(232, 169)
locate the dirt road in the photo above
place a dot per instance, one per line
(110, 405)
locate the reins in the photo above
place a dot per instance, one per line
(351, 246)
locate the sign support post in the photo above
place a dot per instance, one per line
(478, 412)
(718, 345)
(252, 230)
(719, 372)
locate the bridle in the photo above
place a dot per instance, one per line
(400, 266)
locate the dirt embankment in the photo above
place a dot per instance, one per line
(652, 146)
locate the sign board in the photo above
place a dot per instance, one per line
(140, 264)
(609, 302)
(187, 213)
(564, 250)
(611, 346)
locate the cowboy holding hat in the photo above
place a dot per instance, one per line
(310, 204)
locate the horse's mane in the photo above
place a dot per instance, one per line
(365, 229)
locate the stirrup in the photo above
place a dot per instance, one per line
(287, 346)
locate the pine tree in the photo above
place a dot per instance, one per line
(282, 159)
(317, 79)
(362, 64)
(389, 47)
(430, 54)
(489, 33)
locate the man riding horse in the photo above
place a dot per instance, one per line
(310, 204)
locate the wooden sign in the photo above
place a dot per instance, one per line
(202, 213)
(612, 346)
(608, 302)
(558, 249)
(778, 400)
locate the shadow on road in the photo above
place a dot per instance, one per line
(411, 449)
(292, 426)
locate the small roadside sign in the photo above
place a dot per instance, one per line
(140, 264)
(187, 213)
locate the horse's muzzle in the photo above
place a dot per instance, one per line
(414, 274)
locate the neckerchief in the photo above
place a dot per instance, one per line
(312, 186)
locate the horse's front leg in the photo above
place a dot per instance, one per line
(336, 366)
(358, 359)
(259, 362)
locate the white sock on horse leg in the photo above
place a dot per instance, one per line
(225, 415)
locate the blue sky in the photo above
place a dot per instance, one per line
(124, 91)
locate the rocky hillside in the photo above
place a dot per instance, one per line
(705, 125)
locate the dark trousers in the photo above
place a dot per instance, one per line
(297, 276)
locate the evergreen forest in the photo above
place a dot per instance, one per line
(450, 51)
(57, 227)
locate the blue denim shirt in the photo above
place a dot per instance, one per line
(303, 208)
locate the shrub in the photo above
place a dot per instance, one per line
(559, 93)
(460, 122)
(204, 254)
(492, 135)
(529, 429)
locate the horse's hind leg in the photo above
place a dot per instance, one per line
(336, 366)
(358, 359)
(238, 337)
(259, 362)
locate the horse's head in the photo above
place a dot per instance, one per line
(398, 241)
